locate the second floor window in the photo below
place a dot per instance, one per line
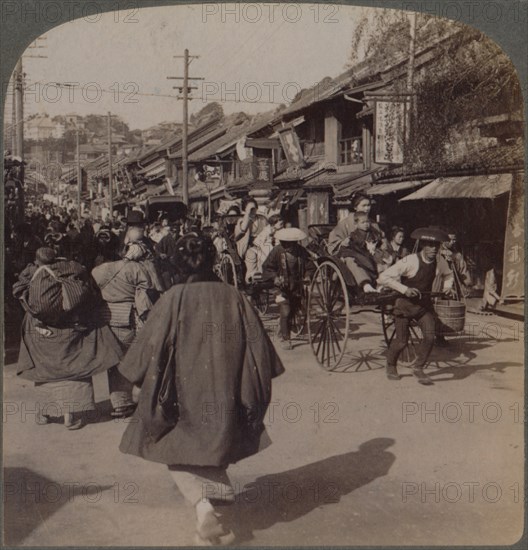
(351, 150)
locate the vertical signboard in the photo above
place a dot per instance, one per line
(291, 146)
(390, 131)
(318, 204)
(513, 272)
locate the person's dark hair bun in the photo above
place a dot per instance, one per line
(195, 254)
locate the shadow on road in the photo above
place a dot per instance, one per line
(31, 499)
(289, 495)
(461, 372)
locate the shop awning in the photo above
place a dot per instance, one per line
(156, 169)
(466, 187)
(344, 185)
(263, 143)
(388, 188)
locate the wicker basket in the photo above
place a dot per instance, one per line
(450, 316)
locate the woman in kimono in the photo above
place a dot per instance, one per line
(204, 363)
(125, 286)
(63, 352)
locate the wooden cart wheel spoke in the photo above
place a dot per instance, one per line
(334, 341)
(328, 315)
(317, 286)
(322, 345)
(317, 333)
(321, 303)
(298, 319)
(324, 282)
(334, 295)
(328, 341)
(412, 332)
(329, 290)
(335, 332)
(318, 337)
(328, 356)
(390, 323)
(322, 338)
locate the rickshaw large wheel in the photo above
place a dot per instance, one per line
(328, 315)
(408, 354)
(228, 271)
(298, 316)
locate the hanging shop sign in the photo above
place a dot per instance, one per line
(291, 146)
(390, 129)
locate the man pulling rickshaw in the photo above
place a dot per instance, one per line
(413, 278)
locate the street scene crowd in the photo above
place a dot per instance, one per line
(183, 294)
(94, 290)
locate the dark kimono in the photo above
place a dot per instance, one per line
(223, 362)
(75, 347)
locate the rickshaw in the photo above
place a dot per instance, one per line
(167, 206)
(331, 300)
(231, 269)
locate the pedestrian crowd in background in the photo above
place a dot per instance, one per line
(132, 299)
(130, 264)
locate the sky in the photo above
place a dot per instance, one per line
(253, 52)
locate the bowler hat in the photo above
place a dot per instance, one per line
(290, 234)
(135, 217)
(433, 234)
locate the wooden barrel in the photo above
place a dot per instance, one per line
(450, 316)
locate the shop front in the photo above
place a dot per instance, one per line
(483, 211)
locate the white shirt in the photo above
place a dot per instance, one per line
(408, 267)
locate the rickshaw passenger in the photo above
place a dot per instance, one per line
(248, 227)
(339, 235)
(264, 243)
(287, 266)
(358, 253)
(339, 240)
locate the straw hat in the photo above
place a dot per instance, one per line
(433, 234)
(290, 234)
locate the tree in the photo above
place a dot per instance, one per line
(468, 79)
(209, 112)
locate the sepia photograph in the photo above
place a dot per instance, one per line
(263, 273)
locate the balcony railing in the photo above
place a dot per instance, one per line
(351, 150)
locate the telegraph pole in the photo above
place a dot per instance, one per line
(110, 190)
(79, 172)
(185, 164)
(184, 90)
(19, 108)
(14, 117)
(409, 104)
(19, 97)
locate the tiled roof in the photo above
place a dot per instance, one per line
(302, 174)
(232, 135)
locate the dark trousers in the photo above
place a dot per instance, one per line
(286, 309)
(427, 325)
